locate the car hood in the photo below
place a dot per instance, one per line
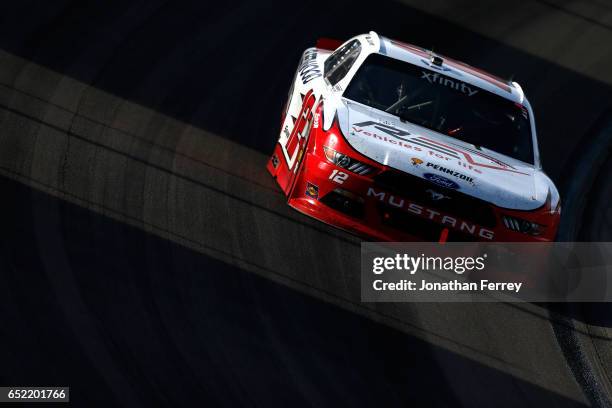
(445, 161)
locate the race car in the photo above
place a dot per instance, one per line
(393, 142)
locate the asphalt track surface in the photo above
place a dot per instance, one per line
(147, 258)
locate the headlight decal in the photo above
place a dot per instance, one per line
(346, 162)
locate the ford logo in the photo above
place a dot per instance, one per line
(441, 181)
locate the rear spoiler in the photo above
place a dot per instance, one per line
(328, 44)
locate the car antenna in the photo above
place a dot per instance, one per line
(435, 59)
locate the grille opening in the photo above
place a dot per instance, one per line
(345, 202)
(419, 227)
(456, 203)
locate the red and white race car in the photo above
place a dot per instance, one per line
(395, 143)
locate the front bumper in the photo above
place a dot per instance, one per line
(360, 206)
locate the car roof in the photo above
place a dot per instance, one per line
(450, 67)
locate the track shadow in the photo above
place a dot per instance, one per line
(125, 317)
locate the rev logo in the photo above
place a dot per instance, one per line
(388, 129)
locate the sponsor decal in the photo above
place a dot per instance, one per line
(416, 161)
(481, 154)
(441, 181)
(456, 64)
(451, 172)
(431, 150)
(312, 191)
(432, 215)
(435, 196)
(317, 117)
(286, 131)
(435, 78)
(309, 69)
(383, 127)
(469, 159)
(433, 147)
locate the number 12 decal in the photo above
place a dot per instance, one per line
(338, 176)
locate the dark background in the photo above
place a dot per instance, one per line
(148, 259)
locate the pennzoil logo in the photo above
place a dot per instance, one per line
(450, 172)
(416, 161)
(312, 191)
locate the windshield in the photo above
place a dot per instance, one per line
(444, 104)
